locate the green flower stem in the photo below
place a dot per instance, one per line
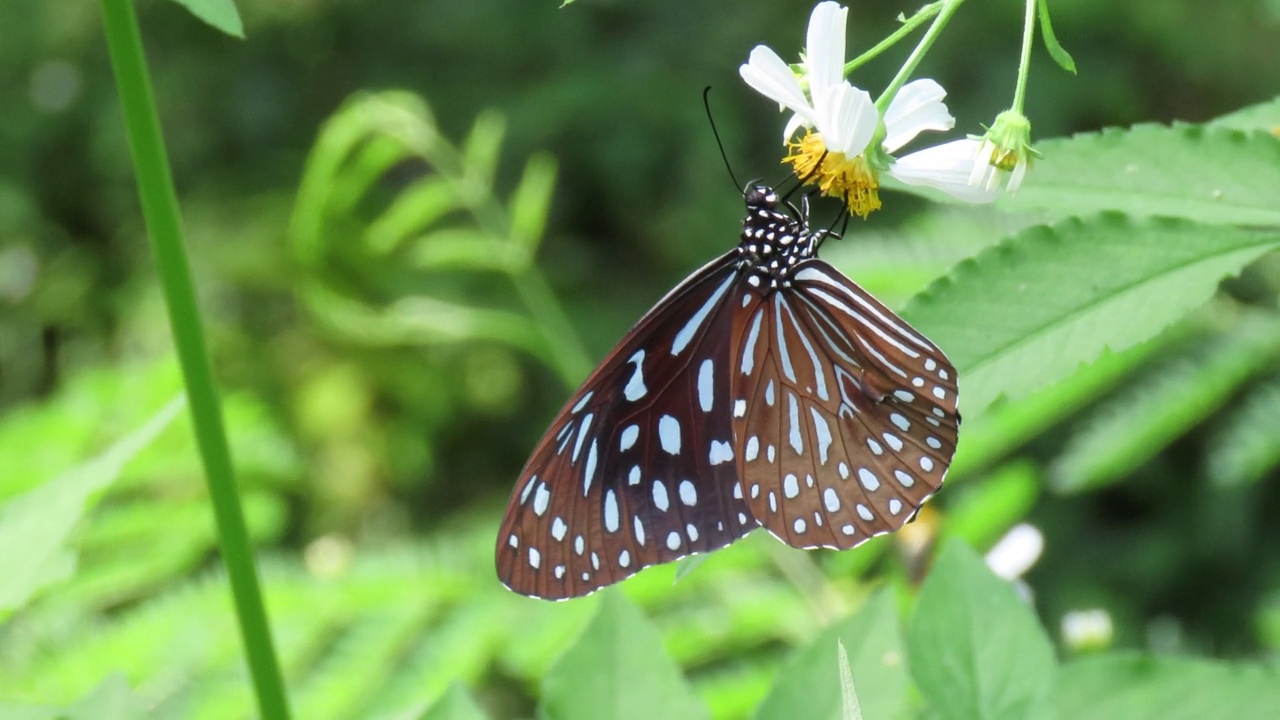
(944, 16)
(164, 225)
(909, 26)
(1024, 64)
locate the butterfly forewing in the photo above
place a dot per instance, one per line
(635, 469)
(835, 447)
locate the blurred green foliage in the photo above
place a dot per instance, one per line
(401, 286)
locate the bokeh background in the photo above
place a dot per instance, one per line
(377, 450)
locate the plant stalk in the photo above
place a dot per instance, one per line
(164, 227)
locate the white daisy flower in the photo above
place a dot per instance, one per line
(840, 122)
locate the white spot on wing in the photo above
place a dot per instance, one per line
(823, 430)
(720, 452)
(749, 349)
(582, 434)
(706, 388)
(790, 487)
(669, 434)
(630, 434)
(660, 495)
(589, 471)
(868, 479)
(635, 388)
(688, 493)
(611, 511)
(540, 499)
(685, 336)
(796, 442)
(831, 500)
(780, 339)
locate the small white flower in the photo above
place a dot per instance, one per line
(1004, 153)
(1016, 552)
(842, 122)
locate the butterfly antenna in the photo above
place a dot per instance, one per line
(808, 176)
(706, 103)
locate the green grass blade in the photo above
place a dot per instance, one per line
(164, 226)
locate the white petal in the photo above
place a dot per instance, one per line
(768, 75)
(947, 168)
(796, 122)
(846, 117)
(1015, 180)
(916, 108)
(824, 46)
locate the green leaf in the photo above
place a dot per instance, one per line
(810, 685)
(1209, 175)
(1244, 447)
(975, 649)
(480, 151)
(455, 705)
(1032, 309)
(1144, 419)
(1056, 51)
(617, 670)
(850, 708)
(41, 520)
(1264, 116)
(221, 14)
(414, 210)
(1132, 686)
(531, 201)
(1006, 426)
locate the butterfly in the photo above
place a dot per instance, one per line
(766, 390)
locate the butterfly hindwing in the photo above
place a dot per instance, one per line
(835, 449)
(637, 468)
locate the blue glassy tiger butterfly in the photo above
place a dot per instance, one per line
(766, 390)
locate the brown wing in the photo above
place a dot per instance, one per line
(638, 467)
(848, 416)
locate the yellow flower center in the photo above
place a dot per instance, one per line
(835, 174)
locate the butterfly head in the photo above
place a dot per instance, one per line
(773, 241)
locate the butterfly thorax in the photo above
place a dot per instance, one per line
(773, 242)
